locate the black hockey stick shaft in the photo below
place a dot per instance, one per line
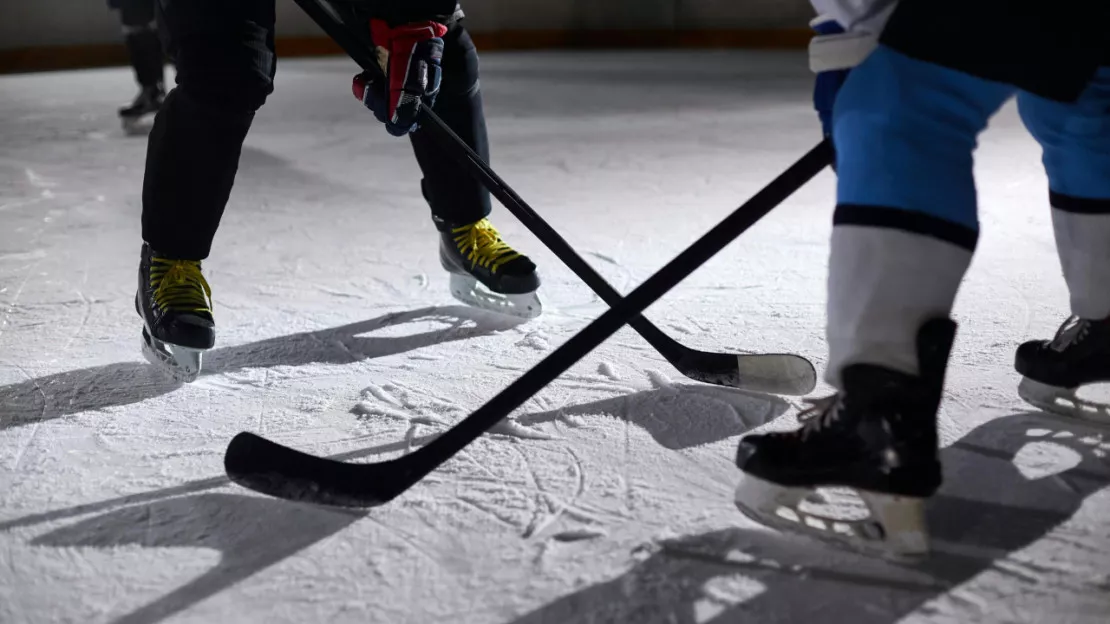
(271, 468)
(717, 368)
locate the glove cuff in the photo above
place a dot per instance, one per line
(383, 35)
(825, 25)
(840, 51)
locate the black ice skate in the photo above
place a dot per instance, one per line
(175, 302)
(876, 437)
(486, 272)
(1054, 370)
(137, 115)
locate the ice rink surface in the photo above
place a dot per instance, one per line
(607, 497)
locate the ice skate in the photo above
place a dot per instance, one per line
(175, 303)
(487, 273)
(1055, 370)
(136, 117)
(877, 438)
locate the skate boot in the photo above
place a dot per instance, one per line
(142, 109)
(486, 272)
(876, 437)
(175, 303)
(1054, 370)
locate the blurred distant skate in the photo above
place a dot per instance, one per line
(138, 117)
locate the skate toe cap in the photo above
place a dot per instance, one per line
(194, 320)
(1028, 352)
(747, 450)
(191, 330)
(519, 284)
(1036, 360)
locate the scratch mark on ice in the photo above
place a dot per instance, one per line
(682, 329)
(38, 181)
(578, 535)
(38, 421)
(608, 370)
(514, 429)
(380, 394)
(535, 340)
(605, 258)
(366, 408)
(562, 506)
(659, 380)
(410, 438)
(85, 318)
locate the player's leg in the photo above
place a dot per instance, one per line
(224, 52)
(905, 228)
(485, 270)
(1076, 141)
(144, 48)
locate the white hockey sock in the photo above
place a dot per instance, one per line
(1083, 244)
(884, 283)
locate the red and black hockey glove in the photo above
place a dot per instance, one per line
(410, 55)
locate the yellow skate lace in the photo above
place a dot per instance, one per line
(482, 245)
(180, 286)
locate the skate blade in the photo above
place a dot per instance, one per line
(894, 530)
(1063, 401)
(182, 364)
(469, 291)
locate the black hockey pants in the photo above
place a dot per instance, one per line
(224, 53)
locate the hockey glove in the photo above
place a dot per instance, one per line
(828, 82)
(833, 52)
(410, 56)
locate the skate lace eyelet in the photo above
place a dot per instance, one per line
(1073, 331)
(179, 285)
(483, 246)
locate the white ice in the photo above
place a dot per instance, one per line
(607, 498)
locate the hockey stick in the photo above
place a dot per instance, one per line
(264, 466)
(774, 373)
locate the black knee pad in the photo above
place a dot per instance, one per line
(224, 51)
(228, 98)
(227, 76)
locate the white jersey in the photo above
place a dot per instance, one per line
(857, 16)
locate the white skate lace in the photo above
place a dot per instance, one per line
(1073, 330)
(821, 413)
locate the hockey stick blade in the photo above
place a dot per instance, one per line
(769, 373)
(279, 471)
(268, 467)
(775, 373)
